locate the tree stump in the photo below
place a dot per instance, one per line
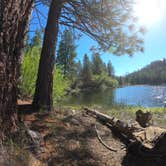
(144, 119)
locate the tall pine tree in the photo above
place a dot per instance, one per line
(110, 69)
(86, 71)
(67, 53)
(97, 64)
(37, 39)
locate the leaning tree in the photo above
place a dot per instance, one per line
(14, 19)
(109, 22)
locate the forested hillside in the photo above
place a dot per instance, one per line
(155, 73)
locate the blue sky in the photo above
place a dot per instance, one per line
(155, 48)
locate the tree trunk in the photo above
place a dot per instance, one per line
(14, 19)
(44, 85)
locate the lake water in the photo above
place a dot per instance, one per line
(141, 95)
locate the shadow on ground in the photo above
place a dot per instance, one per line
(72, 141)
(132, 158)
(72, 144)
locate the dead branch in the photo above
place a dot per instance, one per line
(151, 140)
(102, 142)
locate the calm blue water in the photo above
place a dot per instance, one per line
(142, 95)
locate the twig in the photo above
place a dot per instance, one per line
(38, 17)
(102, 142)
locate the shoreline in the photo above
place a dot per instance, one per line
(124, 112)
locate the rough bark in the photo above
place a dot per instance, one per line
(44, 84)
(151, 140)
(14, 19)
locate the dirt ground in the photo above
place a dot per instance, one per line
(70, 139)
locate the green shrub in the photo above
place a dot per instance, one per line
(60, 84)
(110, 82)
(29, 71)
(105, 81)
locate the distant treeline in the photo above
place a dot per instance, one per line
(155, 73)
(89, 74)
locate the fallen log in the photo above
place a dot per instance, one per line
(151, 140)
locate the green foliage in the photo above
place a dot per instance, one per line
(110, 69)
(110, 82)
(110, 22)
(86, 73)
(27, 44)
(78, 68)
(66, 53)
(29, 70)
(29, 75)
(37, 39)
(95, 75)
(104, 81)
(60, 84)
(97, 64)
(92, 74)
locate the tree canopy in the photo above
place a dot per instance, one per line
(109, 22)
(98, 66)
(86, 70)
(66, 52)
(37, 39)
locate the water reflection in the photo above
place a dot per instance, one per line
(98, 97)
(143, 95)
(159, 94)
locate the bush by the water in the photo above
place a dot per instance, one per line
(104, 80)
(29, 71)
